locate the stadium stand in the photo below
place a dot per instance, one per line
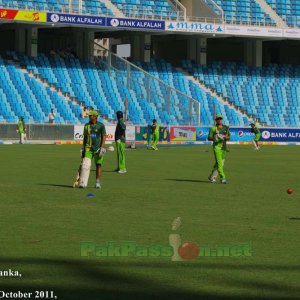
(149, 8)
(269, 93)
(106, 92)
(244, 11)
(176, 78)
(97, 88)
(23, 95)
(94, 7)
(288, 10)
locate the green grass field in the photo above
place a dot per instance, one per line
(44, 220)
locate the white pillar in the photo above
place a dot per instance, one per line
(192, 48)
(257, 53)
(202, 50)
(147, 48)
(88, 45)
(253, 53)
(136, 47)
(20, 40)
(32, 42)
(248, 53)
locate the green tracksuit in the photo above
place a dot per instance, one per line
(219, 147)
(21, 126)
(256, 131)
(92, 138)
(155, 133)
(120, 144)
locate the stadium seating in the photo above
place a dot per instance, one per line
(94, 7)
(289, 10)
(270, 93)
(176, 78)
(22, 95)
(244, 11)
(95, 87)
(149, 8)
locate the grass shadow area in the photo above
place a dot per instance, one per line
(110, 280)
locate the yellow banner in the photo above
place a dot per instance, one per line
(31, 16)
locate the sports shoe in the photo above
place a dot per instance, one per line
(122, 171)
(223, 181)
(81, 187)
(98, 185)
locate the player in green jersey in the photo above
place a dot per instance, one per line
(21, 130)
(93, 148)
(219, 134)
(120, 139)
(256, 131)
(155, 133)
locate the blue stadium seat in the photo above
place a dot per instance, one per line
(269, 93)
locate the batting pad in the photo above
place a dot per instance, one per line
(85, 172)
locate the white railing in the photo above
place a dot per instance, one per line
(156, 92)
(179, 7)
(215, 7)
(143, 12)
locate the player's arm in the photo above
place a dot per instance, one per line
(227, 136)
(84, 137)
(125, 109)
(123, 129)
(211, 135)
(103, 137)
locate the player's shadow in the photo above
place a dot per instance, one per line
(294, 218)
(56, 185)
(189, 180)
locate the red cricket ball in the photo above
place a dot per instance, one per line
(188, 250)
(290, 191)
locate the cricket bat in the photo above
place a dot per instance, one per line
(77, 177)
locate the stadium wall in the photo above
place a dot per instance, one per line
(140, 134)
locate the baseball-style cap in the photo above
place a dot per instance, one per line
(93, 113)
(219, 116)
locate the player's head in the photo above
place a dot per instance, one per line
(119, 115)
(219, 119)
(154, 121)
(252, 125)
(93, 115)
(21, 118)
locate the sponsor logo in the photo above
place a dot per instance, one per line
(54, 18)
(114, 22)
(266, 134)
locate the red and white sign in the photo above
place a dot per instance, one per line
(110, 133)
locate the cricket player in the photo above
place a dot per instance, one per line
(120, 140)
(148, 136)
(219, 135)
(92, 148)
(21, 130)
(256, 131)
(155, 133)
